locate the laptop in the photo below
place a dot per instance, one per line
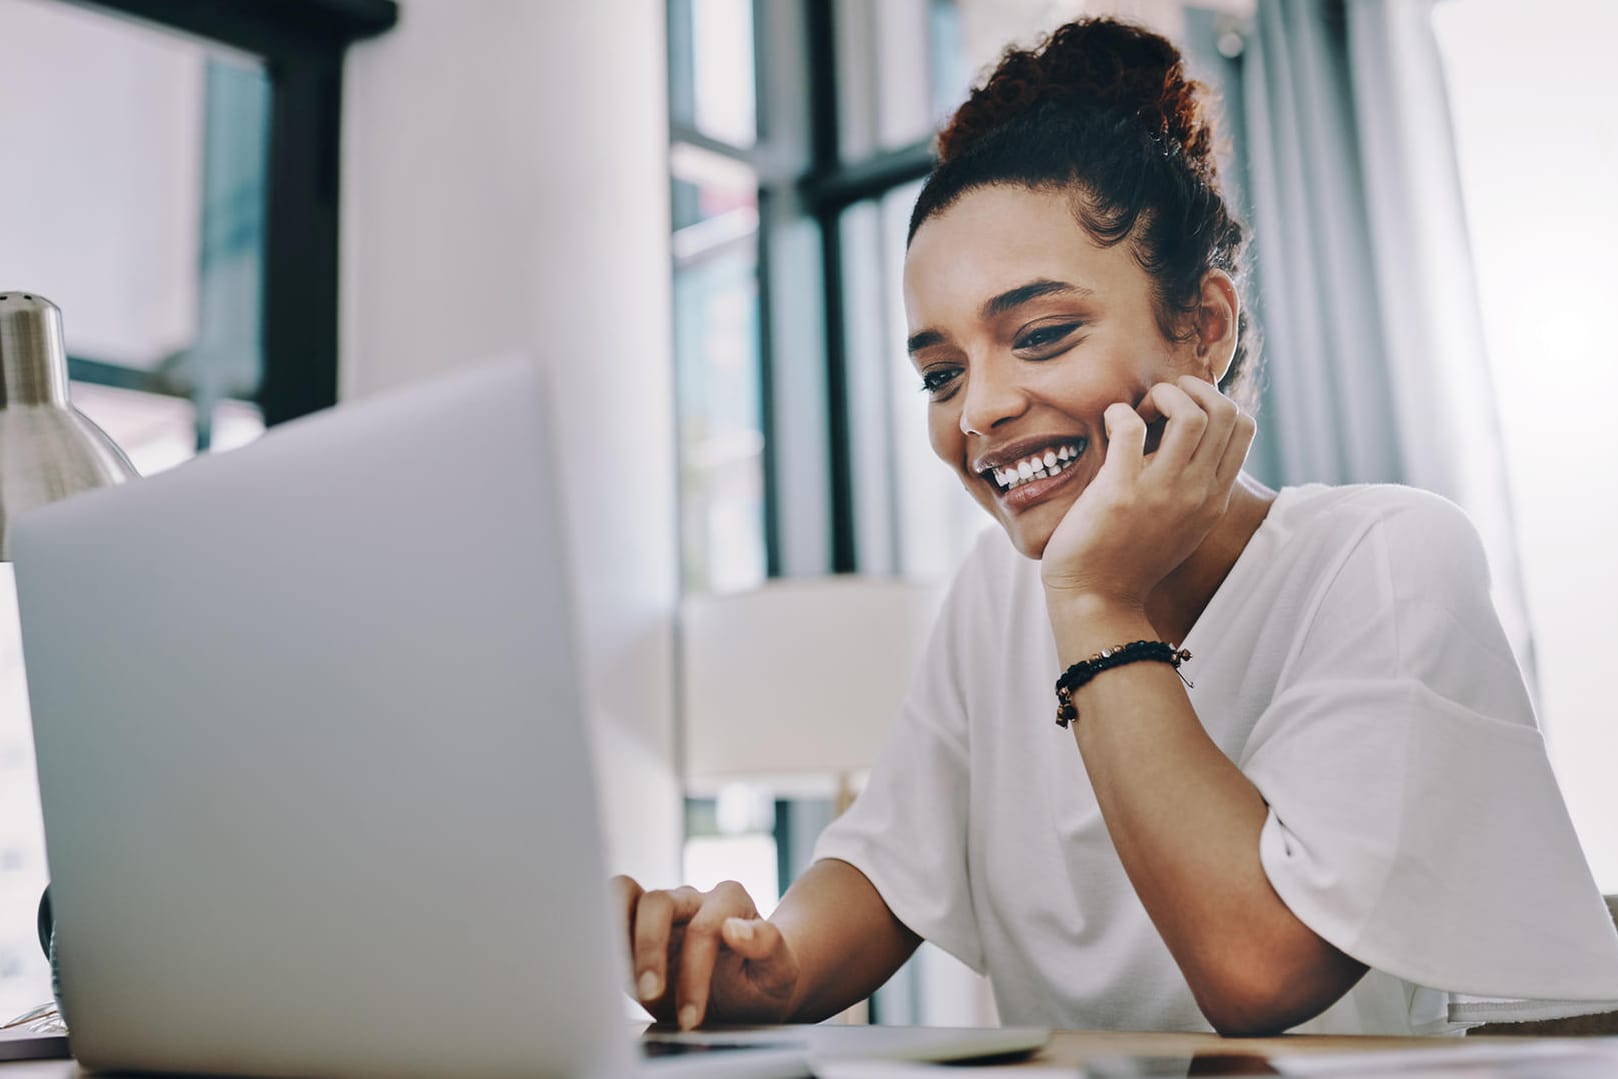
(316, 782)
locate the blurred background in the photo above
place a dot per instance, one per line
(693, 212)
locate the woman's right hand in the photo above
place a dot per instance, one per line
(696, 956)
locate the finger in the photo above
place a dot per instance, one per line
(700, 951)
(1241, 440)
(754, 939)
(626, 893)
(654, 924)
(1186, 424)
(1126, 440)
(1147, 408)
(1221, 412)
(759, 941)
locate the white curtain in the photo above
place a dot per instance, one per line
(1375, 362)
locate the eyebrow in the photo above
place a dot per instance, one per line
(924, 339)
(1009, 300)
(1014, 298)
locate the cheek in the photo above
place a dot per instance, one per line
(1086, 389)
(944, 433)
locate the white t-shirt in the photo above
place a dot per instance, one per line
(1353, 667)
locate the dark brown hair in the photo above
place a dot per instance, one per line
(1104, 109)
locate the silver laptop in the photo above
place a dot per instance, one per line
(316, 784)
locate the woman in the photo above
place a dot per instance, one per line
(1340, 818)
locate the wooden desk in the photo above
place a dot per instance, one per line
(1072, 1048)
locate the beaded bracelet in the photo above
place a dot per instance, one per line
(1116, 656)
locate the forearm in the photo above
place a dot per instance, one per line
(846, 940)
(1186, 823)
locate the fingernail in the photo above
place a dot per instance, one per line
(742, 929)
(688, 1017)
(648, 986)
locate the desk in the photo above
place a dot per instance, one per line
(1071, 1048)
(1074, 1047)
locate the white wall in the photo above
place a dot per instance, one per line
(505, 186)
(1537, 143)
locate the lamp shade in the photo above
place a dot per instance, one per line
(798, 678)
(48, 448)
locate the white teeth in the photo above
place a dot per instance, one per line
(1038, 466)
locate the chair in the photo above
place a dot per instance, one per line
(1601, 1023)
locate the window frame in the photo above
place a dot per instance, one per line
(302, 44)
(805, 187)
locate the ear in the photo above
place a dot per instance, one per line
(1218, 316)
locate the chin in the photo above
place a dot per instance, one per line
(1030, 542)
(1030, 530)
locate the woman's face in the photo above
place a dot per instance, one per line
(1023, 331)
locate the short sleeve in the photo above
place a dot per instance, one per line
(1414, 820)
(907, 830)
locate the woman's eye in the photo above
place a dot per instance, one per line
(936, 379)
(1043, 336)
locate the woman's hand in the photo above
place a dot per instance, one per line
(706, 955)
(1145, 513)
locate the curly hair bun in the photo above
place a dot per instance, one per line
(1091, 64)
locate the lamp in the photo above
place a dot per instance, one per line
(796, 682)
(48, 448)
(48, 451)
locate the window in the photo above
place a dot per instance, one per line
(718, 383)
(799, 133)
(719, 376)
(142, 211)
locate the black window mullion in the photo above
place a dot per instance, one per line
(821, 39)
(839, 188)
(766, 389)
(267, 28)
(300, 244)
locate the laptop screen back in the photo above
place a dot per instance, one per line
(315, 780)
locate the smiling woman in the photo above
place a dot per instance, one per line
(1291, 714)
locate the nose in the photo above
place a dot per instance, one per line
(992, 396)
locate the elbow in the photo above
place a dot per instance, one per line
(1245, 1019)
(1252, 999)
(1244, 1014)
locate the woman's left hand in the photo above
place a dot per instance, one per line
(1144, 513)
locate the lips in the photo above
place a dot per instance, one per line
(1011, 465)
(1027, 471)
(1041, 464)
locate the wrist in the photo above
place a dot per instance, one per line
(1083, 623)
